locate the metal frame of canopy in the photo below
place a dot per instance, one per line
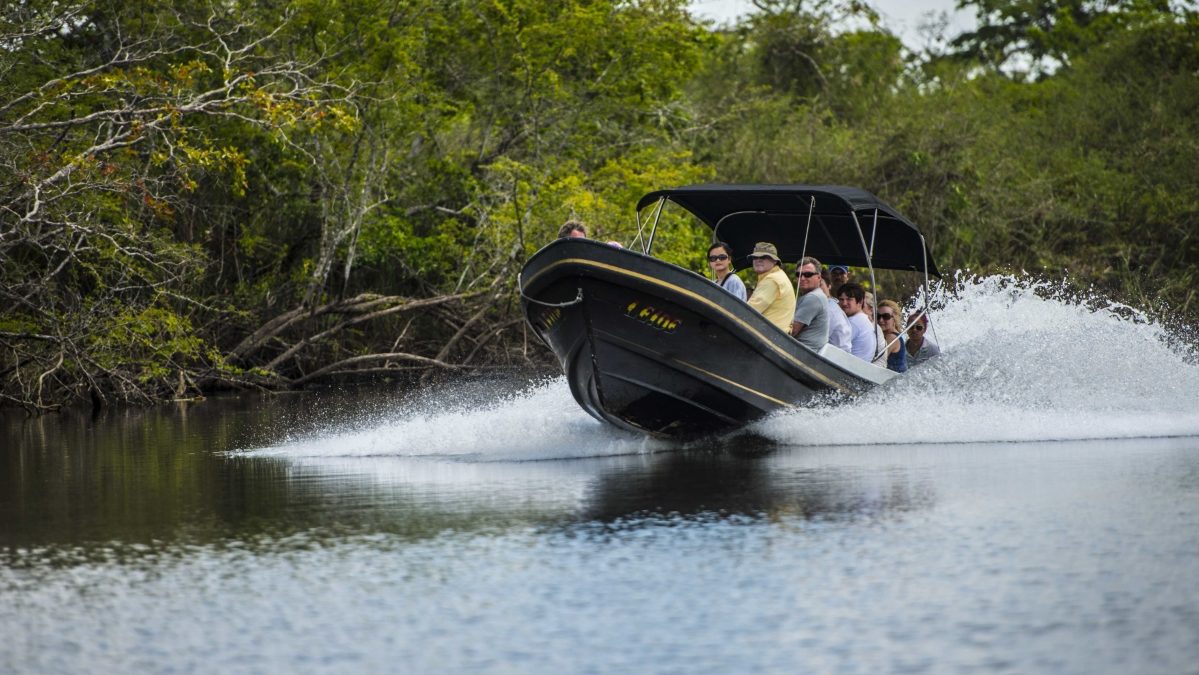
(721, 205)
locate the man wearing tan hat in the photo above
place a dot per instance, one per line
(774, 296)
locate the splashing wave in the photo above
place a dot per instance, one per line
(1022, 361)
(541, 422)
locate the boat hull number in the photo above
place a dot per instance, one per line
(651, 316)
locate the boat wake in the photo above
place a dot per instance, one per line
(541, 421)
(1023, 361)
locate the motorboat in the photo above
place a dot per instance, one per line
(653, 347)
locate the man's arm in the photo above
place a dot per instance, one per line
(806, 309)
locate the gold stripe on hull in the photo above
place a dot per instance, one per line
(701, 299)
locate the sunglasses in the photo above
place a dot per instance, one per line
(714, 258)
(809, 275)
(888, 317)
(760, 257)
(918, 328)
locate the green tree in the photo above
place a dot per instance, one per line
(485, 110)
(1041, 35)
(268, 201)
(110, 119)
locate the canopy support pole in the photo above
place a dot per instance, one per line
(803, 252)
(868, 249)
(640, 239)
(925, 292)
(657, 216)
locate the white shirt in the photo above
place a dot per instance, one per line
(840, 335)
(862, 342)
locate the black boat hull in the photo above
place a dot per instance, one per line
(651, 347)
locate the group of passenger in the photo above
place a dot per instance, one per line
(830, 308)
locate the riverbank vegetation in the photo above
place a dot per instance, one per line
(265, 194)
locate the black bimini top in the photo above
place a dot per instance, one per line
(743, 215)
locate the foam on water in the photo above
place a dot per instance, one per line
(1022, 361)
(542, 422)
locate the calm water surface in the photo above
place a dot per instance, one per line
(1022, 522)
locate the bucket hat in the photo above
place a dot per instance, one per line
(765, 249)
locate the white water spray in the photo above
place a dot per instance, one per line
(1022, 361)
(542, 422)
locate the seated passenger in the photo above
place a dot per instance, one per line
(810, 323)
(839, 275)
(850, 297)
(840, 335)
(720, 259)
(920, 347)
(572, 228)
(773, 296)
(888, 319)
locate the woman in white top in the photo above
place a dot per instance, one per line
(720, 259)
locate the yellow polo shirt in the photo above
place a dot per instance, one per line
(774, 297)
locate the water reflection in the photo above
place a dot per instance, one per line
(725, 481)
(148, 479)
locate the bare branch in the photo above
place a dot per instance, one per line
(400, 356)
(410, 305)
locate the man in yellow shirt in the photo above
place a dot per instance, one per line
(774, 296)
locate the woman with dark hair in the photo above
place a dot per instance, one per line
(720, 259)
(920, 347)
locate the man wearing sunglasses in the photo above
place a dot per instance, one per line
(773, 296)
(810, 322)
(920, 347)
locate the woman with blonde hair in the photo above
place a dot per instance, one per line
(890, 321)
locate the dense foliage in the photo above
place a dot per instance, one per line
(268, 194)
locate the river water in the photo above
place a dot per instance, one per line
(1029, 502)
